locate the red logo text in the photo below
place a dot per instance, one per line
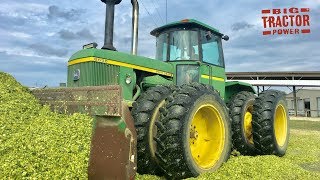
(286, 21)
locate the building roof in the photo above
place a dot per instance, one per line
(299, 83)
(276, 74)
(185, 23)
(295, 78)
(317, 91)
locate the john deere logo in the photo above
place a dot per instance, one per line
(76, 74)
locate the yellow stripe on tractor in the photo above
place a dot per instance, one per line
(212, 77)
(117, 63)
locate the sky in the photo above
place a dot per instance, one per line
(37, 37)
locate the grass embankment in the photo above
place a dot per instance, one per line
(302, 160)
(36, 143)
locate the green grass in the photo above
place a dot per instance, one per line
(302, 160)
(306, 125)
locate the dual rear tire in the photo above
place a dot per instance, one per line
(270, 123)
(241, 110)
(194, 132)
(260, 124)
(187, 135)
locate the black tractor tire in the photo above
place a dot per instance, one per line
(241, 109)
(271, 123)
(185, 150)
(145, 113)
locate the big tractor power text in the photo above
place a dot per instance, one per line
(286, 21)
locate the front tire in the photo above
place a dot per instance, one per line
(271, 123)
(241, 109)
(194, 133)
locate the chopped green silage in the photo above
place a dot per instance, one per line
(148, 177)
(36, 143)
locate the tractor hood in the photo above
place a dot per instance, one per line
(123, 60)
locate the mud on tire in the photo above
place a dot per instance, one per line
(145, 113)
(271, 123)
(190, 139)
(241, 109)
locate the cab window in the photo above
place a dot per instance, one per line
(211, 48)
(162, 46)
(184, 45)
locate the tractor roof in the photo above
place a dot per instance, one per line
(184, 23)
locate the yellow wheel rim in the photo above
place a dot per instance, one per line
(247, 124)
(280, 125)
(207, 136)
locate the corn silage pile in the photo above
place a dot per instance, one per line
(37, 143)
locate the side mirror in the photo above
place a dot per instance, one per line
(225, 37)
(208, 35)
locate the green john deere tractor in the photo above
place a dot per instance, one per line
(176, 114)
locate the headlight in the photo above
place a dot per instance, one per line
(128, 79)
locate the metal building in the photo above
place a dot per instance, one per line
(308, 102)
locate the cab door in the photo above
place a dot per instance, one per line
(212, 69)
(214, 76)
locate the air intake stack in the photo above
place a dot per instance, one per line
(109, 25)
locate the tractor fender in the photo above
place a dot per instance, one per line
(233, 87)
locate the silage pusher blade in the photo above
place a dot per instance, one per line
(113, 153)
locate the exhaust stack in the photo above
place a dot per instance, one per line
(109, 25)
(135, 26)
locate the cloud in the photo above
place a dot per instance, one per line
(54, 30)
(67, 35)
(85, 34)
(20, 35)
(34, 71)
(9, 21)
(43, 49)
(82, 34)
(241, 25)
(55, 13)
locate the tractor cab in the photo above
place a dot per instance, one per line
(194, 48)
(189, 39)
